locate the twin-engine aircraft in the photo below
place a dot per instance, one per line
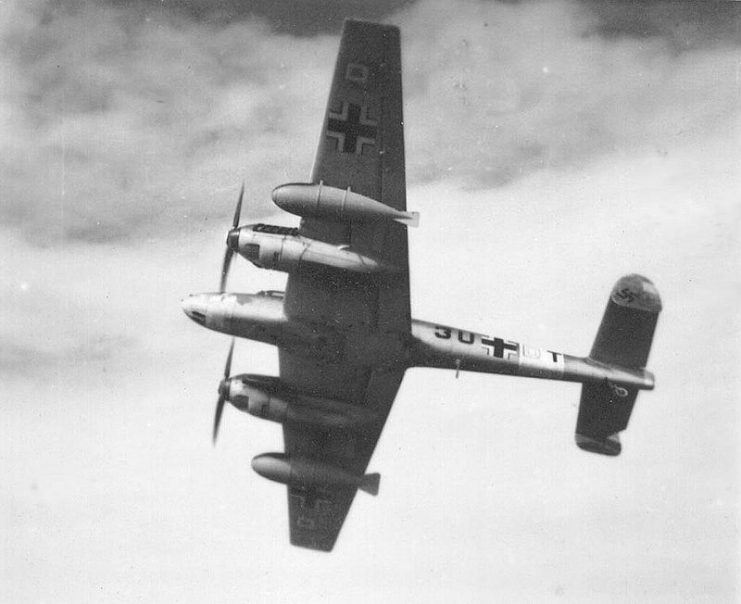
(343, 327)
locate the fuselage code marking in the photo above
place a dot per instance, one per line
(497, 347)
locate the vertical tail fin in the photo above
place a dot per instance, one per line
(627, 330)
(624, 338)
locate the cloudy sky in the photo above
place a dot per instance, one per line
(551, 148)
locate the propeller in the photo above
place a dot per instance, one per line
(223, 391)
(231, 239)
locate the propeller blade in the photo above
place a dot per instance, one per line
(229, 249)
(228, 366)
(223, 390)
(225, 269)
(238, 211)
(217, 417)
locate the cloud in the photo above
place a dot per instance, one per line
(119, 130)
(490, 99)
(685, 26)
(302, 18)
(65, 311)
(133, 122)
(32, 360)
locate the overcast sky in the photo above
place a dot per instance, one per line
(551, 148)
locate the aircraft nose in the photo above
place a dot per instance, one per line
(195, 307)
(232, 240)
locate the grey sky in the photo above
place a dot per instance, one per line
(551, 147)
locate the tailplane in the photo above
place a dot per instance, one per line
(624, 338)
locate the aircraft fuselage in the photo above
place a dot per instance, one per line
(261, 317)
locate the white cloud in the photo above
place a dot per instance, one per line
(120, 129)
(495, 91)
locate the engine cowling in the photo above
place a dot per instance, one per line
(266, 397)
(283, 249)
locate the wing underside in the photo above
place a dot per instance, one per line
(317, 517)
(361, 147)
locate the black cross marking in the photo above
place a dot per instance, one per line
(348, 130)
(498, 346)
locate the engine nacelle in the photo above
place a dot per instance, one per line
(321, 201)
(266, 397)
(283, 249)
(310, 474)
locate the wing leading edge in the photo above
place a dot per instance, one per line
(361, 147)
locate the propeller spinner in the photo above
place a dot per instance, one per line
(232, 239)
(223, 391)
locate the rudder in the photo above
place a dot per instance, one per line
(627, 329)
(624, 338)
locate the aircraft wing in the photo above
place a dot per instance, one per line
(361, 146)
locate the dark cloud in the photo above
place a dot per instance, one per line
(300, 18)
(684, 25)
(137, 121)
(116, 131)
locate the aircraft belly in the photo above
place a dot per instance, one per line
(375, 349)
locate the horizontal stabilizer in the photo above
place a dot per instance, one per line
(610, 445)
(624, 340)
(411, 219)
(370, 483)
(604, 410)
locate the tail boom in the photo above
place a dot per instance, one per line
(451, 348)
(611, 375)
